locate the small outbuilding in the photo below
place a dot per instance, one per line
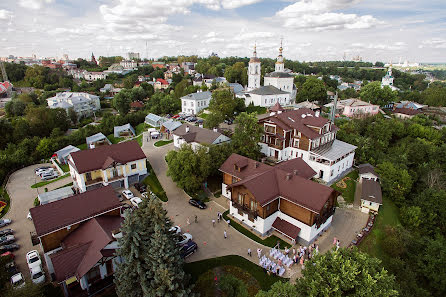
(170, 126)
(154, 120)
(62, 154)
(124, 131)
(51, 196)
(371, 196)
(367, 172)
(96, 140)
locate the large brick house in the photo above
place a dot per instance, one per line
(280, 198)
(304, 134)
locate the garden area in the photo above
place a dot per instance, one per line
(162, 142)
(256, 109)
(347, 186)
(46, 182)
(228, 276)
(152, 182)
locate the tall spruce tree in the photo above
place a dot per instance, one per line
(152, 265)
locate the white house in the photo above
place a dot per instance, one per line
(371, 196)
(83, 104)
(196, 136)
(267, 96)
(367, 172)
(128, 64)
(93, 76)
(387, 80)
(193, 103)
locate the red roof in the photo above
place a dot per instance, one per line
(162, 81)
(407, 111)
(4, 86)
(286, 228)
(103, 156)
(137, 104)
(277, 107)
(59, 214)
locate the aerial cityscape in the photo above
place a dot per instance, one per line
(227, 148)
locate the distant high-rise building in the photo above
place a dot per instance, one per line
(133, 56)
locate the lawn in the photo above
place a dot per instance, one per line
(162, 142)
(198, 268)
(64, 167)
(114, 139)
(5, 198)
(46, 182)
(270, 241)
(256, 109)
(138, 139)
(141, 128)
(388, 216)
(82, 146)
(350, 181)
(153, 183)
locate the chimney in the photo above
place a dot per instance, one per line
(288, 176)
(215, 129)
(296, 172)
(187, 129)
(317, 113)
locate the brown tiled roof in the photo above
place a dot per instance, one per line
(86, 243)
(407, 111)
(286, 228)
(371, 191)
(197, 134)
(137, 104)
(101, 157)
(277, 107)
(367, 168)
(62, 213)
(266, 183)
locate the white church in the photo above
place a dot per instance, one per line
(387, 80)
(278, 85)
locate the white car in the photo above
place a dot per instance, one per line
(17, 280)
(136, 201)
(37, 275)
(49, 175)
(175, 229)
(127, 194)
(5, 222)
(184, 238)
(40, 170)
(33, 259)
(29, 217)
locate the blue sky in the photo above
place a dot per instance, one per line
(312, 29)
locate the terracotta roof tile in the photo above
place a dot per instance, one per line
(371, 191)
(286, 228)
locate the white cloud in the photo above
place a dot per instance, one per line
(318, 15)
(231, 4)
(34, 4)
(253, 35)
(395, 46)
(212, 40)
(5, 14)
(433, 43)
(211, 34)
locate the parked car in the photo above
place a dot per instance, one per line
(7, 239)
(11, 268)
(4, 222)
(136, 201)
(197, 203)
(41, 169)
(200, 121)
(49, 175)
(188, 249)
(9, 247)
(6, 232)
(37, 275)
(33, 259)
(175, 229)
(176, 116)
(127, 194)
(17, 281)
(184, 238)
(140, 187)
(229, 121)
(8, 254)
(45, 171)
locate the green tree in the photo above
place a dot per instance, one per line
(282, 289)
(373, 93)
(312, 89)
(246, 136)
(152, 265)
(129, 81)
(122, 101)
(223, 103)
(345, 273)
(72, 115)
(15, 107)
(396, 182)
(232, 286)
(184, 168)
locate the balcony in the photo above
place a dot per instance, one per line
(117, 177)
(252, 214)
(93, 181)
(323, 218)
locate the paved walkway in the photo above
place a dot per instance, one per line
(358, 192)
(22, 199)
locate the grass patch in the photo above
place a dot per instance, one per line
(349, 192)
(162, 142)
(64, 167)
(82, 146)
(196, 269)
(270, 241)
(138, 139)
(388, 216)
(36, 201)
(153, 183)
(5, 198)
(44, 183)
(203, 115)
(114, 139)
(256, 109)
(141, 128)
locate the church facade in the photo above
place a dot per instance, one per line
(278, 85)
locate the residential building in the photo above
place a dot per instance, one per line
(355, 108)
(83, 104)
(367, 172)
(119, 165)
(280, 198)
(124, 131)
(188, 67)
(158, 64)
(371, 196)
(236, 88)
(161, 84)
(410, 105)
(93, 76)
(97, 140)
(129, 64)
(62, 154)
(193, 103)
(136, 105)
(133, 56)
(78, 238)
(405, 113)
(154, 120)
(54, 195)
(110, 89)
(197, 136)
(303, 133)
(307, 104)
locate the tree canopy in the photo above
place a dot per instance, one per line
(247, 135)
(312, 89)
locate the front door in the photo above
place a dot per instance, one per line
(321, 174)
(276, 154)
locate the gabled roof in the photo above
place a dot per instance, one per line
(137, 104)
(94, 159)
(268, 90)
(96, 137)
(407, 111)
(197, 134)
(367, 168)
(171, 125)
(59, 214)
(126, 127)
(286, 228)
(277, 107)
(153, 118)
(66, 150)
(371, 191)
(198, 96)
(162, 81)
(278, 74)
(334, 150)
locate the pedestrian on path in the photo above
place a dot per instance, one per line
(259, 253)
(218, 217)
(187, 221)
(213, 223)
(334, 240)
(225, 234)
(196, 219)
(249, 252)
(229, 223)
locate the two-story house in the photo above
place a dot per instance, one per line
(78, 238)
(118, 165)
(303, 133)
(197, 136)
(83, 104)
(193, 103)
(280, 198)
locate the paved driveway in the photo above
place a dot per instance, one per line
(22, 199)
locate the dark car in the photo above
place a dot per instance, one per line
(188, 249)
(229, 121)
(141, 187)
(9, 247)
(197, 203)
(6, 232)
(7, 239)
(200, 121)
(11, 268)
